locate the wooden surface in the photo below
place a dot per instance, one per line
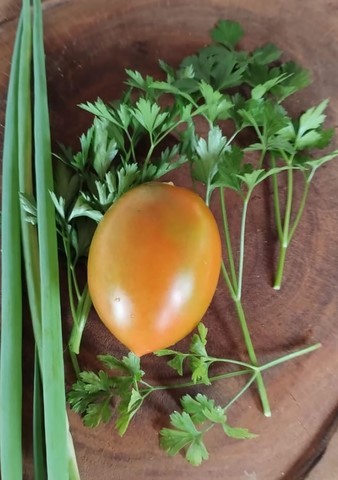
(88, 46)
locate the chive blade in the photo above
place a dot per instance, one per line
(28, 231)
(56, 431)
(39, 452)
(11, 301)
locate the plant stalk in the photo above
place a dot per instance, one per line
(253, 359)
(235, 288)
(11, 310)
(81, 316)
(285, 232)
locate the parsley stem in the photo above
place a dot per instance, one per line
(69, 277)
(261, 158)
(242, 246)
(131, 143)
(80, 319)
(290, 356)
(285, 233)
(75, 363)
(153, 388)
(228, 281)
(11, 308)
(235, 289)
(228, 240)
(252, 356)
(276, 203)
(280, 267)
(148, 157)
(300, 209)
(240, 393)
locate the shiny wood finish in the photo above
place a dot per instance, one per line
(88, 45)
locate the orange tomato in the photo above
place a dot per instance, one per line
(153, 265)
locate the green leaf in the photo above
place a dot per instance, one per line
(97, 413)
(197, 452)
(127, 409)
(127, 177)
(124, 113)
(229, 169)
(82, 208)
(59, 204)
(171, 74)
(207, 155)
(217, 105)
(132, 364)
(297, 79)
(266, 54)
(309, 139)
(85, 141)
(148, 114)
(28, 205)
(197, 406)
(171, 88)
(266, 114)
(316, 163)
(199, 341)
(177, 363)
(104, 148)
(129, 364)
(184, 435)
(66, 181)
(92, 382)
(227, 33)
(260, 90)
(99, 109)
(257, 176)
(136, 80)
(165, 352)
(199, 367)
(238, 433)
(312, 119)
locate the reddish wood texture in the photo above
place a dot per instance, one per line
(88, 46)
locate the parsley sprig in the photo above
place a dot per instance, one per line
(122, 392)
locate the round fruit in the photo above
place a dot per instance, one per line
(153, 265)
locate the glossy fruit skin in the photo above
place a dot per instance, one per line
(153, 265)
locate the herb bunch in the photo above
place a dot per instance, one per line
(238, 98)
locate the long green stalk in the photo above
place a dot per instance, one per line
(300, 209)
(228, 240)
(56, 431)
(29, 234)
(39, 454)
(11, 309)
(28, 231)
(253, 358)
(235, 287)
(285, 232)
(80, 319)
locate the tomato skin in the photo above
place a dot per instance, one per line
(153, 265)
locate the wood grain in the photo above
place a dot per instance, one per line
(88, 46)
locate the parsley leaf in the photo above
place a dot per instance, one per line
(127, 409)
(227, 33)
(184, 435)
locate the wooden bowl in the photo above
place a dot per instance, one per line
(88, 46)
